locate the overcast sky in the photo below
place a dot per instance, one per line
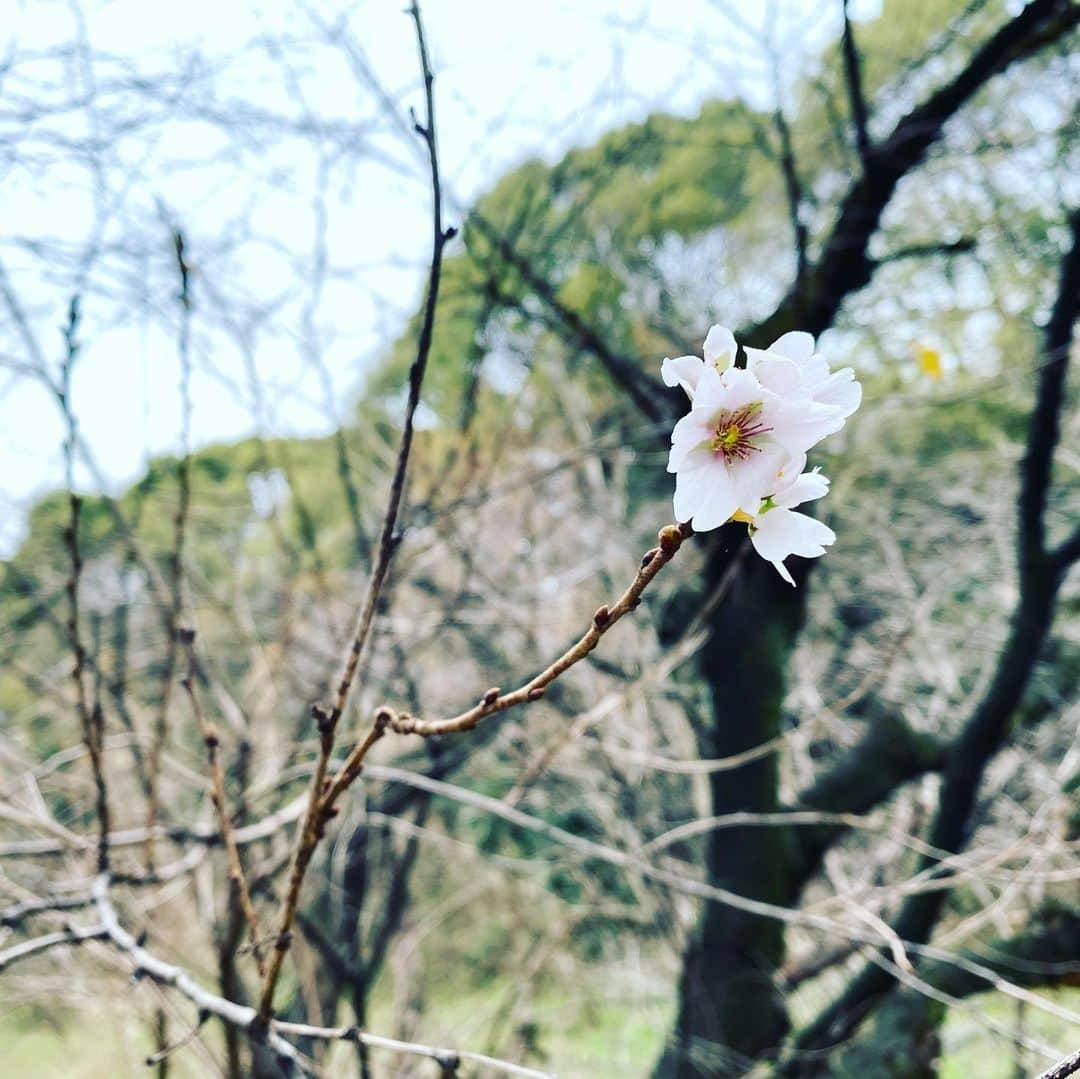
(513, 80)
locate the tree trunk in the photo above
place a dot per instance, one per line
(730, 1013)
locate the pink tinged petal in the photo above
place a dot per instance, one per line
(720, 347)
(682, 371)
(797, 346)
(755, 356)
(841, 391)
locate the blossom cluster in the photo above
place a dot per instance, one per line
(740, 452)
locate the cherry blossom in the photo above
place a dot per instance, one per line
(740, 452)
(738, 437)
(777, 531)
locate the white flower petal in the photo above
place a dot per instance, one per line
(711, 392)
(703, 493)
(803, 488)
(782, 532)
(682, 371)
(797, 345)
(720, 347)
(779, 533)
(719, 503)
(840, 390)
(694, 426)
(815, 372)
(802, 424)
(779, 374)
(755, 477)
(690, 442)
(741, 388)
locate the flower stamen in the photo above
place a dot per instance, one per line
(735, 433)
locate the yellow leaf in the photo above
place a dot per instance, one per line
(929, 361)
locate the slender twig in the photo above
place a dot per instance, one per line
(186, 1039)
(13, 917)
(176, 557)
(856, 99)
(328, 717)
(964, 246)
(671, 539)
(91, 717)
(212, 740)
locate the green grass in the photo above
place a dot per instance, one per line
(969, 1049)
(598, 1029)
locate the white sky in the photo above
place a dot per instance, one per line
(514, 79)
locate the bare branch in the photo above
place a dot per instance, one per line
(1063, 1068)
(212, 740)
(328, 718)
(247, 1019)
(71, 935)
(172, 613)
(671, 539)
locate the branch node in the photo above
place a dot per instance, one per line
(324, 718)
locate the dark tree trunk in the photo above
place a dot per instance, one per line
(729, 1010)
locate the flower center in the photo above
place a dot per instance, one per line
(736, 432)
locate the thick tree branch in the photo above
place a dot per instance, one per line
(890, 754)
(988, 726)
(845, 265)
